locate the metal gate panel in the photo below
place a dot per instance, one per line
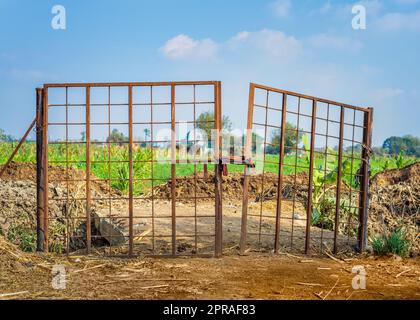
(131, 133)
(311, 176)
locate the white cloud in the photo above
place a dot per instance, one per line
(335, 42)
(400, 21)
(271, 42)
(184, 47)
(387, 93)
(281, 7)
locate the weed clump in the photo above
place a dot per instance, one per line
(396, 242)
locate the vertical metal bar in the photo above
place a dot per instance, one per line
(364, 188)
(45, 166)
(218, 173)
(206, 175)
(109, 166)
(367, 176)
(310, 182)
(295, 175)
(67, 174)
(88, 193)
(173, 169)
(247, 155)
(325, 170)
(152, 151)
(349, 220)
(264, 165)
(339, 175)
(280, 174)
(130, 171)
(195, 170)
(39, 170)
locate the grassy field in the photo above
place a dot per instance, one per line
(118, 172)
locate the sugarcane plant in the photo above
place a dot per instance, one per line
(324, 182)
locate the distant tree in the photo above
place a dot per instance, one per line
(256, 140)
(291, 139)
(378, 151)
(205, 122)
(5, 137)
(116, 137)
(83, 136)
(407, 145)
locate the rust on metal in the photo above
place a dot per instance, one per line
(309, 208)
(339, 176)
(134, 122)
(45, 169)
(364, 188)
(286, 192)
(173, 169)
(247, 155)
(331, 128)
(130, 172)
(88, 191)
(39, 171)
(218, 174)
(280, 174)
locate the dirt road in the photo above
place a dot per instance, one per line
(255, 276)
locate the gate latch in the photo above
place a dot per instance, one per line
(238, 160)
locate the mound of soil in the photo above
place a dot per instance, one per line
(410, 175)
(187, 188)
(395, 202)
(18, 203)
(27, 172)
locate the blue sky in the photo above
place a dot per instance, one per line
(304, 46)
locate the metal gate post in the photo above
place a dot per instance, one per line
(173, 169)
(280, 174)
(88, 192)
(45, 216)
(218, 174)
(364, 188)
(310, 183)
(130, 172)
(39, 170)
(339, 179)
(248, 155)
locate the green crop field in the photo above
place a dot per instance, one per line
(118, 171)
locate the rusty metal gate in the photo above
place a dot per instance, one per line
(106, 149)
(312, 173)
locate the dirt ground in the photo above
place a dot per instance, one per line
(257, 275)
(292, 228)
(254, 276)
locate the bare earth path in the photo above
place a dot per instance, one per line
(256, 276)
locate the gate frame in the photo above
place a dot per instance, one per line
(42, 159)
(365, 168)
